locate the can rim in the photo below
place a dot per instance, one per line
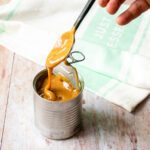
(58, 102)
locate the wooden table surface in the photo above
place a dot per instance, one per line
(105, 126)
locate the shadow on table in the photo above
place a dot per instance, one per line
(142, 106)
(108, 121)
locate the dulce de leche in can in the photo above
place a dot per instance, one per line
(58, 93)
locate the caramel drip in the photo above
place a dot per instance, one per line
(57, 87)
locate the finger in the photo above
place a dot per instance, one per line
(114, 5)
(135, 10)
(103, 3)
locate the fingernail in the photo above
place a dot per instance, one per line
(120, 21)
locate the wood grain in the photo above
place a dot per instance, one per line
(6, 62)
(105, 126)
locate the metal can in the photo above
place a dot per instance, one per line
(55, 119)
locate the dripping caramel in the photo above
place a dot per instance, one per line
(57, 87)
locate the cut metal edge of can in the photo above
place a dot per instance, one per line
(38, 75)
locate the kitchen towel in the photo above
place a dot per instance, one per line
(117, 64)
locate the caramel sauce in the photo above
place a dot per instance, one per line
(58, 87)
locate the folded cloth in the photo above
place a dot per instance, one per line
(24, 23)
(117, 58)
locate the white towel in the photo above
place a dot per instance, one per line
(117, 58)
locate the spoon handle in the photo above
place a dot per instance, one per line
(83, 13)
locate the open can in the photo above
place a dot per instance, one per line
(55, 119)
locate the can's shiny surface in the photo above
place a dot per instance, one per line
(56, 120)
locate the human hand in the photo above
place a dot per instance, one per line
(135, 9)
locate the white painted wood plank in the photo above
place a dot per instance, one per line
(6, 60)
(19, 117)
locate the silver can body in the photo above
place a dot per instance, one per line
(56, 120)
